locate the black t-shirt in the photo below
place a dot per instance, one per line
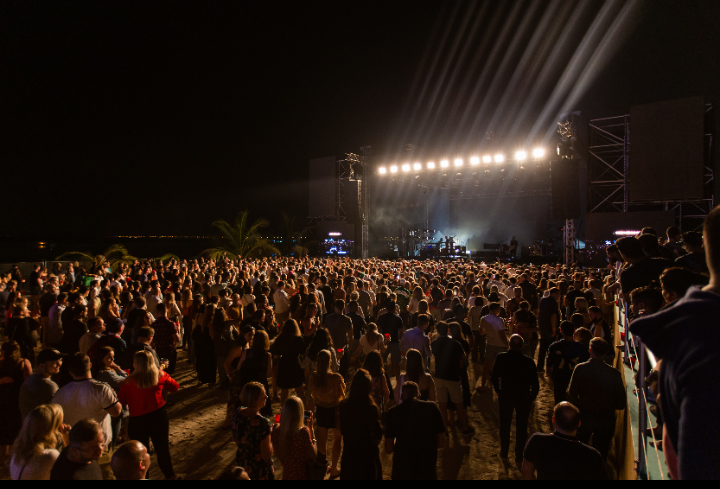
(563, 356)
(390, 324)
(447, 353)
(642, 273)
(358, 323)
(415, 426)
(530, 294)
(559, 457)
(65, 470)
(548, 308)
(464, 327)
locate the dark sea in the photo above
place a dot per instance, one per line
(48, 248)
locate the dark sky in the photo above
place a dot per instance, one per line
(159, 117)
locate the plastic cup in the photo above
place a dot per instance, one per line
(277, 419)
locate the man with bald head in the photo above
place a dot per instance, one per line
(130, 462)
(515, 379)
(561, 456)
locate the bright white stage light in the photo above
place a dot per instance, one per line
(393, 169)
(487, 159)
(458, 162)
(382, 170)
(417, 167)
(406, 167)
(499, 158)
(474, 160)
(538, 153)
(431, 166)
(521, 156)
(444, 163)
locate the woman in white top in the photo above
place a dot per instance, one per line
(35, 449)
(371, 340)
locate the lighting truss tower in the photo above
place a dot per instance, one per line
(352, 169)
(608, 173)
(569, 241)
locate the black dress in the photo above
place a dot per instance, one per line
(20, 330)
(206, 362)
(11, 419)
(360, 427)
(290, 374)
(254, 369)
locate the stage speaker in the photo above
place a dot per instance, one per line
(565, 189)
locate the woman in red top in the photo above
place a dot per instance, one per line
(142, 392)
(294, 440)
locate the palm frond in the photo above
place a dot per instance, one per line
(69, 254)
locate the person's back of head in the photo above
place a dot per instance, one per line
(130, 461)
(567, 329)
(631, 248)
(516, 342)
(494, 308)
(599, 347)
(442, 328)
(566, 418)
(410, 390)
(145, 333)
(673, 233)
(78, 365)
(676, 281)
(160, 310)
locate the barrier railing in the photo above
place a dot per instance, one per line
(640, 361)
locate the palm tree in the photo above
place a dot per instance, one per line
(241, 240)
(115, 255)
(294, 241)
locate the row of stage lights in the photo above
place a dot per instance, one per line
(520, 156)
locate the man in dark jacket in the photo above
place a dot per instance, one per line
(562, 358)
(515, 379)
(597, 389)
(686, 337)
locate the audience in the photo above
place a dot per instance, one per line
(79, 460)
(35, 449)
(130, 461)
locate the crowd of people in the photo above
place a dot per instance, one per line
(355, 352)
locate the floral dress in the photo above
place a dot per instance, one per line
(248, 433)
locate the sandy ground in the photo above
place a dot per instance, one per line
(201, 450)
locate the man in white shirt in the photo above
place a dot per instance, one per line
(96, 329)
(55, 329)
(282, 303)
(87, 398)
(497, 341)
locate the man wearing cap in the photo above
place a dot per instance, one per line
(695, 258)
(39, 389)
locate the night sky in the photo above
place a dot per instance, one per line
(159, 117)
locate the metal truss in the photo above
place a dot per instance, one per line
(608, 171)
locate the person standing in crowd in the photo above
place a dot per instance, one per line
(35, 449)
(252, 434)
(415, 372)
(497, 342)
(694, 259)
(449, 359)
(79, 460)
(341, 331)
(562, 358)
(391, 324)
(415, 338)
(14, 370)
(327, 390)
(22, 329)
(362, 431)
(598, 391)
(548, 320)
(87, 398)
(515, 380)
(560, 456)
(414, 432)
(39, 388)
(286, 350)
(642, 270)
(167, 337)
(686, 340)
(106, 370)
(143, 392)
(282, 303)
(96, 327)
(130, 462)
(294, 440)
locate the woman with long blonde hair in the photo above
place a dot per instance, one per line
(293, 440)
(142, 392)
(35, 450)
